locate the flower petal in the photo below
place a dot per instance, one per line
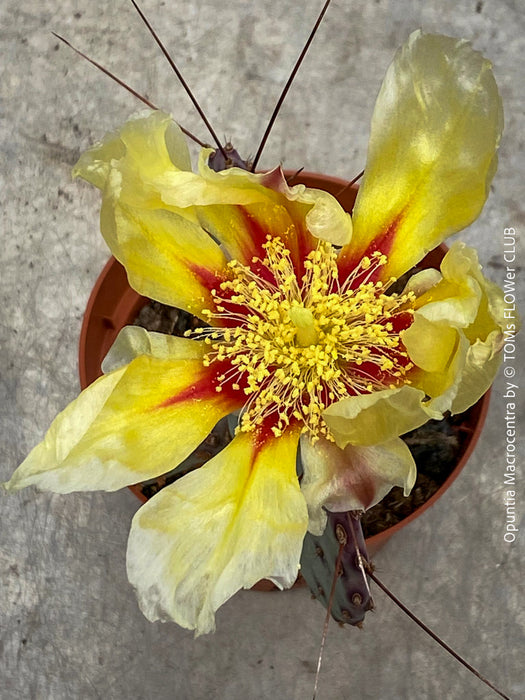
(463, 297)
(370, 419)
(355, 478)
(430, 345)
(422, 281)
(239, 518)
(241, 209)
(439, 352)
(243, 229)
(481, 366)
(142, 150)
(167, 257)
(432, 154)
(326, 219)
(133, 424)
(208, 187)
(133, 341)
(464, 300)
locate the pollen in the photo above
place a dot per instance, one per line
(294, 346)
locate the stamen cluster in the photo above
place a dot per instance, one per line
(294, 347)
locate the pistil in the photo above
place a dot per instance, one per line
(304, 322)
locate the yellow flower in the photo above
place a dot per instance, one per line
(304, 338)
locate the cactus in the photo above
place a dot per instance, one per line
(341, 545)
(227, 158)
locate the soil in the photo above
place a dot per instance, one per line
(436, 447)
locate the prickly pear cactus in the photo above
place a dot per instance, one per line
(319, 558)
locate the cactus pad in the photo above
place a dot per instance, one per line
(318, 562)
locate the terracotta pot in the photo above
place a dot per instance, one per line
(113, 305)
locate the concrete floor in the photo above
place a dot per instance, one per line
(69, 624)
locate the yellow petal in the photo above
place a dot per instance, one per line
(323, 215)
(456, 297)
(430, 345)
(439, 352)
(239, 518)
(167, 257)
(375, 418)
(142, 150)
(355, 478)
(243, 229)
(240, 209)
(133, 341)
(481, 366)
(207, 187)
(463, 300)
(133, 424)
(463, 297)
(432, 152)
(422, 281)
(326, 219)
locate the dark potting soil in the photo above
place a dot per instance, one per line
(436, 447)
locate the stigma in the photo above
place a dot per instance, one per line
(295, 346)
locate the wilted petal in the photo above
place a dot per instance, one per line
(167, 255)
(239, 518)
(355, 478)
(133, 424)
(432, 153)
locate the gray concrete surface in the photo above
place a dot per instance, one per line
(69, 624)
